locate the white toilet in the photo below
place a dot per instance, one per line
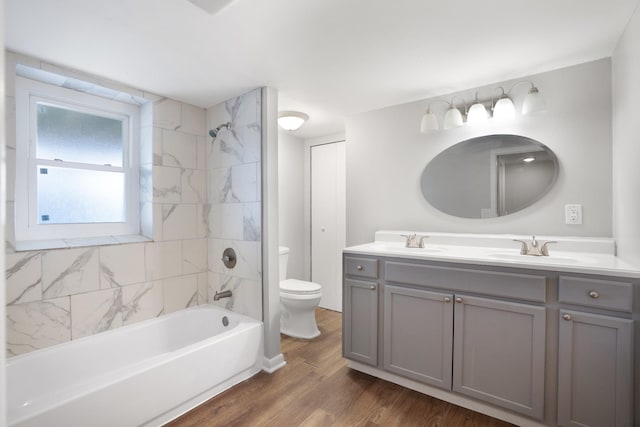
(298, 300)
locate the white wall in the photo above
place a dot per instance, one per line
(291, 193)
(2, 225)
(386, 155)
(626, 142)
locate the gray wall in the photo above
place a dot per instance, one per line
(291, 190)
(626, 142)
(386, 155)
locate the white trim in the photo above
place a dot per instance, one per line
(270, 365)
(28, 94)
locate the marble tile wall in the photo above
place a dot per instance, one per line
(234, 188)
(57, 295)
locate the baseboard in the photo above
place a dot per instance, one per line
(273, 364)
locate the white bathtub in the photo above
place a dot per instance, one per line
(144, 374)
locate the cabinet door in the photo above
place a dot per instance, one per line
(499, 352)
(418, 335)
(594, 370)
(360, 321)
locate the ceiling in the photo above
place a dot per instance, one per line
(327, 58)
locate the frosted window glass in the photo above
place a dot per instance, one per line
(77, 196)
(73, 136)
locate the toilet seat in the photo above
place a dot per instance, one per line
(299, 287)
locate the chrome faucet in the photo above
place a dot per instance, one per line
(536, 249)
(223, 294)
(414, 241)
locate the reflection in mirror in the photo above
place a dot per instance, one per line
(489, 176)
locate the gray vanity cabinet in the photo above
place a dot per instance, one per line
(360, 310)
(418, 334)
(499, 353)
(595, 366)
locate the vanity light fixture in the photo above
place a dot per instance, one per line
(477, 113)
(452, 118)
(502, 108)
(291, 120)
(528, 159)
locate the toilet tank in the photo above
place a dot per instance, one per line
(284, 258)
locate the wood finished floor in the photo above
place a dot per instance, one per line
(316, 388)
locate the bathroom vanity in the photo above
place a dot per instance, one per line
(467, 319)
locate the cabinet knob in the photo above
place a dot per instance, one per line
(372, 287)
(447, 299)
(566, 316)
(594, 294)
(359, 268)
(458, 300)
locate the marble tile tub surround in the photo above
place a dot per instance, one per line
(234, 189)
(62, 294)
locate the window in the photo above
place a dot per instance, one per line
(77, 164)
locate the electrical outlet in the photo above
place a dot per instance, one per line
(573, 214)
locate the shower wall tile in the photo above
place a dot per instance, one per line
(194, 186)
(243, 182)
(201, 154)
(95, 312)
(246, 295)
(178, 222)
(193, 120)
(163, 259)
(247, 258)
(146, 220)
(202, 220)
(167, 184)
(157, 146)
(179, 149)
(121, 265)
(167, 114)
(158, 222)
(23, 277)
(180, 293)
(69, 272)
(10, 170)
(220, 186)
(142, 301)
(226, 221)
(203, 288)
(251, 222)
(194, 253)
(35, 325)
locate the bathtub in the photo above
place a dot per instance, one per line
(145, 374)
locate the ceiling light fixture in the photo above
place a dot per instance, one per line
(291, 120)
(502, 108)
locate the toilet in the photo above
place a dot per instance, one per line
(298, 300)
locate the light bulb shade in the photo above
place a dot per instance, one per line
(291, 120)
(477, 114)
(504, 109)
(452, 118)
(429, 122)
(534, 102)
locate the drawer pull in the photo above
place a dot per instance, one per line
(594, 294)
(372, 287)
(447, 299)
(359, 268)
(458, 300)
(566, 316)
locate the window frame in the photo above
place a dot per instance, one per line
(27, 228)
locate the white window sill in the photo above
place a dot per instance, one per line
(37, 245)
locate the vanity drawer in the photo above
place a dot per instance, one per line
(361, 267)
(598, 293)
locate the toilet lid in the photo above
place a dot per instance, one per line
(295, 286)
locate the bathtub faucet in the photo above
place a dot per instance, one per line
(223, 294)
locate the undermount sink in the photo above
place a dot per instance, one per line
(529, 258)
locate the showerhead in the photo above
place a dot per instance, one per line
(213, 133)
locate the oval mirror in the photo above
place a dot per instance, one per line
(489, 176)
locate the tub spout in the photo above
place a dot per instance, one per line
(223, 294)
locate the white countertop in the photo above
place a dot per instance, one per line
(588, 256)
